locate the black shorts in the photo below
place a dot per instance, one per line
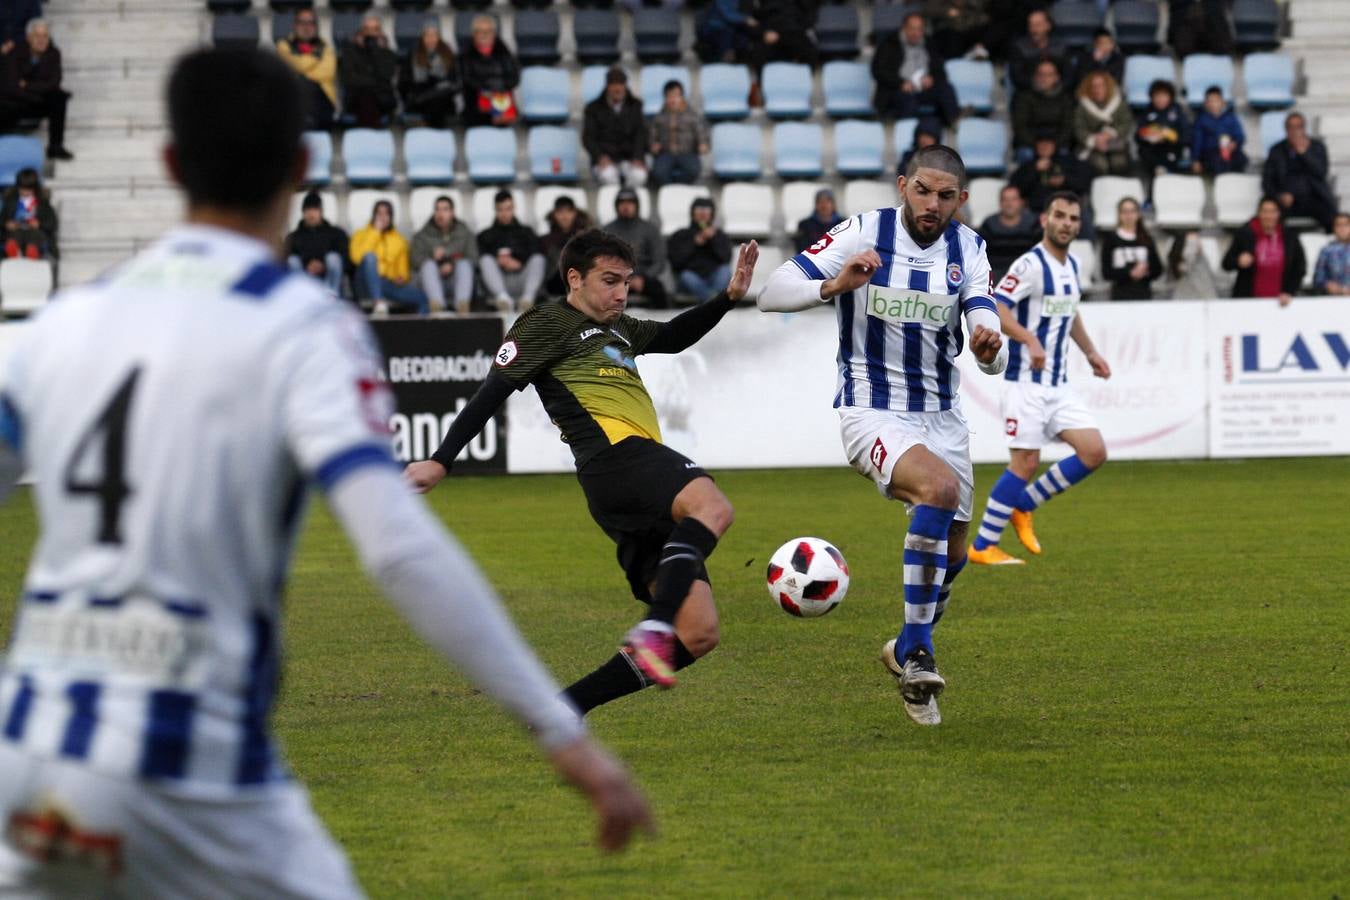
(630, 488)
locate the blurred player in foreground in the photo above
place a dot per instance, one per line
(171, 416)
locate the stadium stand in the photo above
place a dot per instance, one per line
(798, 149)
(837, 32)
(544, 97)
(973, 81)
(847, 87)
(597, 35)
(537, 33)
(653, 78)
(725, 91)
(747, 210)
(1075, 21)
(368, 154)
(1201, 71)
(859, 148)
(1236, 195)
(736, 150)
(1179, 201)
(491, 154)
(18, 152)
(320, 144)
(672, 205)
(1107, 192)
(552, 150)
(656, 33)
(787, 90)
(1137, 23)
(1141, 71)
(429, 155)
(983, 144)
(1269, 80)
(983, 200)
(237, 31)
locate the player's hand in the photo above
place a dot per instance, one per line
(619, 805)
(1036, 353)
(856, 272)
(1286, 299)
(746, 258)
(985, 344)
(424, 475)
(1099, 366)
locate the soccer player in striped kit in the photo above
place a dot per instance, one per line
(902, 279)
(1038, 305)
(172, 415)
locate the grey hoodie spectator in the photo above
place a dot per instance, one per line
(646, 240)
(442, 256)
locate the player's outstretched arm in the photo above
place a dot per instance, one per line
(746, 258)
(791, 290)
(1078, 331)
(423, 475)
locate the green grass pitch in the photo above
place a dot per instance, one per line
(1159, 706)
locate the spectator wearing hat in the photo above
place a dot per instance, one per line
(701, 253)
(510, 258)
(824, 217)
(30, 221)
(645, 238)
(911, 76)
(678, 137)
(30, 86)
(316, 246)
(443, 254)
(615, 134)
(315, 62)
(565, 221)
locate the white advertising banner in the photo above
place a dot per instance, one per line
(1279, 378)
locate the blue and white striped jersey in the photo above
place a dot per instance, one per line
(899, 335)
(1044, 293)
(171, 416)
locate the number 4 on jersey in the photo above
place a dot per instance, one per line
(110, 487)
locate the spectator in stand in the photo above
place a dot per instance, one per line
(510, 258)
(367, 69)
(380, 255)
(489, 74)
(1046, 108)
(30, 86)
(926, 133)
(1164, 132)
(30, 221)
(1051, 169)
(783, 33)
(724, 31)
(1009, 233)
(1102, 55)
(615, 134)
(1217, 138)
(911, 78)
(1199, 26)
(1040, 42)
(1130, 259)
(645, 238)
(430, 81)
(14, 18)
(316, 62)
(1295, 174)
(564, 223)
(701, 253)
(959, 27)
(678, 137)
(1268, 259)
(823, 217)
(1332, 273)
(316, 246)
(443, 254)
(1102, 125)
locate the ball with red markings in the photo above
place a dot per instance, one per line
(807, 577)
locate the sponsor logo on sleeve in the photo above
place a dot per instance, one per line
(1009, 283)
(820, 245)
(506, 353)
(841, 227)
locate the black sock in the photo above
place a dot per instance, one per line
(617, 677)
(682, 558)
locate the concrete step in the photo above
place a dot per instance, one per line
(1319, 10)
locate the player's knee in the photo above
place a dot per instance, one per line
(717, 515)
(944, 493)
(702, 639)
(1094, 457)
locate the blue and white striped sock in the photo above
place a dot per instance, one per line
(1003, 499)
(945, 592)
(1059, 477)
(925, 571)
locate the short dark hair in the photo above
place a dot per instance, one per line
(940, 157)
(582, 251)
(1295, 115)
(1162, 84)
(671, 85)
(27, 178)
(502, 195)
(1066, 196)
(1213, 89)
(235, 117)
(444, 197)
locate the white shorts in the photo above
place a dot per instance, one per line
(875, 439)
(140, 840)
(1033, 414)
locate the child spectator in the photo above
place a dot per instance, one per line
(1130, 259)
(30, 221)
(443, 254)
(678, 137)
(317, 247)
(381, 257)
(368, 68)
(824, 217)
(1102, 125)
(1268, 259)
(701, 253)
(1216, 142)
(315, 62)
(1164, 132)
(489, 74)
(1332, 275)
(510, 258)
(430, 81)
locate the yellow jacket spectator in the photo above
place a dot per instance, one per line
(315, 60)
(381, 257)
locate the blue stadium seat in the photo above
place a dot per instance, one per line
(592, 82)
(1137, 23)
(235, 32)
(368, 154)
(545, 95)
(726, 91)
(491, 154)
(858, 149)
(536, 36)
(228, 6)
(983, 144)
(1076, 20)
(597, 35)
(657, 34)
(798, 150)
(344, 25)
(652, 81)
(18, 151)
(552, 150)
(837, 32)
(430, 155)
(887, 18)
(1270, 80)
(848, 89)
(1272, 129)
(1201, 71)
(1256, 25)
(787, 90)
(736, 150)
(1141, 71)
(973, 81)
(320, 144)
(904, 136)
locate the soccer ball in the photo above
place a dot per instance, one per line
(807, 577)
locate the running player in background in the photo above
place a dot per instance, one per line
(902, 279)
(171, 415)
(663, 511)
(1038, 305)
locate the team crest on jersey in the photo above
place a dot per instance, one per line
(506, 353)
(954, 275)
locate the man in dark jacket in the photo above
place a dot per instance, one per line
(1051, 169)
(316, 246)
(911, 77)
(823, 217)
(701, 253)
(14, 18)
(1009, 233)
(489, 74)
(511, 258)
(367, 70)
(1295, 174)
(784, 33)
(1040, 42)
(30, 86)
(645, 238)
(1047, 108)
(614, 133)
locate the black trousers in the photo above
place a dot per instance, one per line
(50, 106)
